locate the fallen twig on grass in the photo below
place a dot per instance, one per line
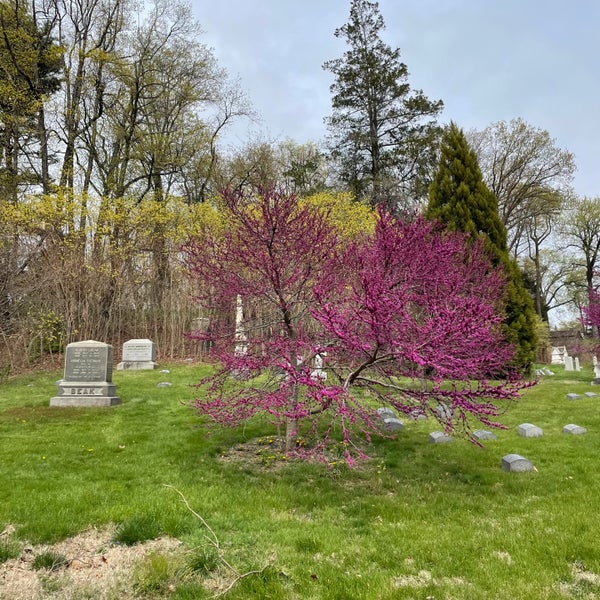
(215, 542)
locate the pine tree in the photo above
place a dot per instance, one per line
(383, 135)
(460, 199)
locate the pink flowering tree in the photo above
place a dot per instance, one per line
(406, 318)
(591, 313)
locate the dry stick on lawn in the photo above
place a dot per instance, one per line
(215, 542)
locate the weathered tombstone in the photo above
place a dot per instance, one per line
(574, 429)
(483, 434)
(515, 463)
(138, 355)
(164, 384)
(88, 376)
(439, 437)
(573, 396)
(576, 364)
(569, 363)
(556, 356)
(591, 394)
(386, 413)
(548, 372)
(393, 424)
(530, 431)
(444, 412)
(596, 380)
(417, 414)
(318, 372)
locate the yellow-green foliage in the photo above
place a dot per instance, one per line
(350, 218)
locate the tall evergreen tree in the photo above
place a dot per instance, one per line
(460, 199)
(382, 135)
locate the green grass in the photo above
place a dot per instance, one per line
(418, 520)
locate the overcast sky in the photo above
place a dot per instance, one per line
(488, 60)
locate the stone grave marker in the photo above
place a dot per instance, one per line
(530, 431)
(569, 366)
(591, 394)
(483, 434)
(573, 396)
(439, 437)
(596, 380)
(444, 411)
(386, 413)
(138, 355)
(574, 429)
(87, 376)
(515, 463)
(393, 424)
(576, 364)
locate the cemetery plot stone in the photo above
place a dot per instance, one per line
(574, 429)
(515, 463)
(530, 431)
(591, 394)
(164, 384)
(482, 434)
(386, 413)
(393, 424)
(138, 355)
(444, 412)
(573, 396)
(88, 376)
(569, 366)
(439, 437)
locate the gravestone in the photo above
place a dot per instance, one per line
(88, 376)
(573, 396)
(444, 411)
(574, 429)
(515, 463)
(569, 363)
(591, 394)
(576, 364)
(439, 437)
(596, 380)
(482, 434)
(393, 424)
(558, 355)
(530, 431)
(386, 413)
(138, 355)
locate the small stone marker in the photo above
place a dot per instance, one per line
(548, 372)
(577, 365)
(439, 437)
(574, 429)
(530, 431)
(386, 413)
(573, 396)
(482, 434)
(444, 412)
(164, 384)
(569, 366)
(88, 376)
(393, 424)
(138, 355)
(515, 463)
(591, 394)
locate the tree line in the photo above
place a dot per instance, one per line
(111, 120)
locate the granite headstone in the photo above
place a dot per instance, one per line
(87, 376)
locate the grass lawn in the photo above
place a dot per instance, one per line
(418, 521)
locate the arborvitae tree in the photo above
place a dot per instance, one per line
(383, 135)
(460, 199)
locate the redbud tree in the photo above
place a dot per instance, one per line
(405, 317)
